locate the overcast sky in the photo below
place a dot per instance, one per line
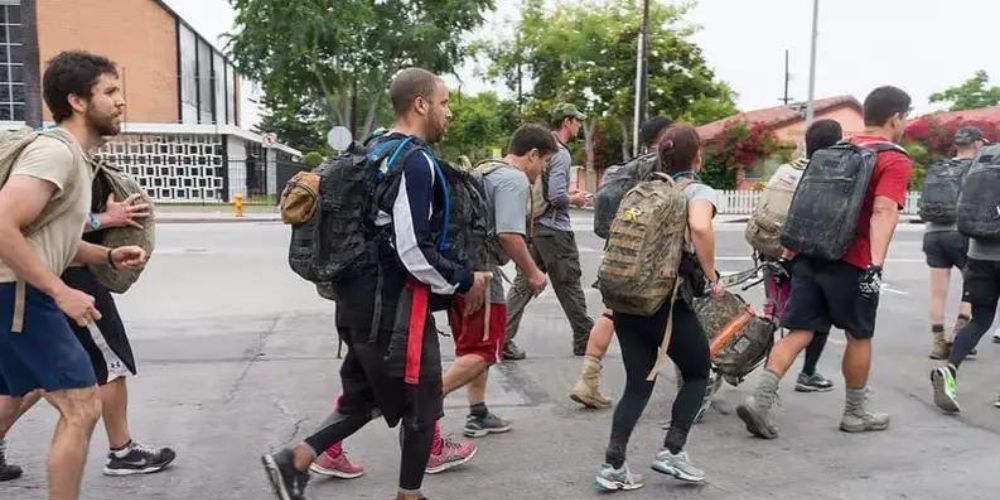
(922, 46)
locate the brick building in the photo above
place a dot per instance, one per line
(184, 137)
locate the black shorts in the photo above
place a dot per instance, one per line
(946, 249)
(825, 293)
(371, 383)
(105, 342)
(981, 282)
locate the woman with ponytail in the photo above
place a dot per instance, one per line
(640, 336)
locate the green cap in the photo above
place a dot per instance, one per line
(565, 110)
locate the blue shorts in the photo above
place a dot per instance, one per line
(46, 354)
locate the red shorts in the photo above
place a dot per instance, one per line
(468, 330)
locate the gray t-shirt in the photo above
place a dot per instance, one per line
(558, 172)
(508, 196)
(698, 191)
(984, 250)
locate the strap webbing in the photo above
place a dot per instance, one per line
(661, 353)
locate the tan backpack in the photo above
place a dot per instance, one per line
(639, 272)
(123, 186)
(12, 144)
(763, 231)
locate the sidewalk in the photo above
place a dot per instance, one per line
(205, 214)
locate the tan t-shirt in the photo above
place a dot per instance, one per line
(52, 160)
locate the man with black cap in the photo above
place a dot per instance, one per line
(553, 245)
(944, 246)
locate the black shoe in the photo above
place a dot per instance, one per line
(511, 352)
(139, 460)
(9, 472)
(289, 483)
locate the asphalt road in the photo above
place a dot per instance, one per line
(238, 356)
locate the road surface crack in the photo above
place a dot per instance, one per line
(255, 354)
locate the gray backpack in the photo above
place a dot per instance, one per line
(939, 199)
(979, 201)
(823, 218)
(617, 181)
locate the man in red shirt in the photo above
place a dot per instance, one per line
(844, 293)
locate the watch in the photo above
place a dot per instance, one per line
(93, 222)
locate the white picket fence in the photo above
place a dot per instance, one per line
(742, 202)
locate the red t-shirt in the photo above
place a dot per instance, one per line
(890, 179)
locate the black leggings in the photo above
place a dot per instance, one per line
(968, 337)
(813, 352)
(640, 338)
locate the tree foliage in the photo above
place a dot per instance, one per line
(586, 54)
(481, 124)
(325, 54)
(971, 94)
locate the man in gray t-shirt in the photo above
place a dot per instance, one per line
(946, 248)
(479, 330)
(553, 245)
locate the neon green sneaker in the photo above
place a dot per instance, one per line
(945, 389)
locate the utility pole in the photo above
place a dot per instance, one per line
(641, 77)
(786, 99)
(810, 111)
(520, 78)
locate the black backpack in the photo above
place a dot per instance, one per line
(617, 181)
(823, 217)
(337, 242)
(939, 199)
(979, 201)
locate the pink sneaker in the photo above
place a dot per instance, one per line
(336, 466)
(450, 453)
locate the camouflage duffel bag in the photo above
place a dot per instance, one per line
(739, 339)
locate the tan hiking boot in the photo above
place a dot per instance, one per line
(587, 390)
(941, 347)
(858, 417)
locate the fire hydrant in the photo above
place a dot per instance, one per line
(238, 204)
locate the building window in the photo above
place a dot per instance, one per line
(189, 73)
(205, 89)
(12, 96)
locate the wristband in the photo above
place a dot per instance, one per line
(93, 222)
(111, 262)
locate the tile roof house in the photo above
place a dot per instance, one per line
(789, 122)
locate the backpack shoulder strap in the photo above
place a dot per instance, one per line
(881, 147)
(487, 167)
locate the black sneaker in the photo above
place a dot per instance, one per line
(289, 483)
(480, 426)
(7, 472)
(511, 352)
(139, 460)
(813, 383)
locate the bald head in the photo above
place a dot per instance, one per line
(410, 84)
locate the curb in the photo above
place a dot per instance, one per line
(215, 220)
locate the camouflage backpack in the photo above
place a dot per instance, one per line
(763, 231)
(740, 340)
(639, 272)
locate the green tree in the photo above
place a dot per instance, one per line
(330, 55)
(971, 94)
(298, 127)
(586, 54)
(480, 124)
